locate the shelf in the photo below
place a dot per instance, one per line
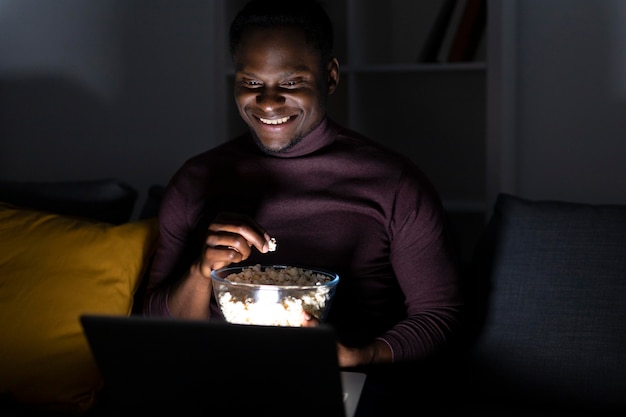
(408, 67)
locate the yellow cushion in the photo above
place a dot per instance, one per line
(52, 270)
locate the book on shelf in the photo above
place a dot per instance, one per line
(451, 29)
(412, 21)
(432, 44)
(470, 32)
(481, 50)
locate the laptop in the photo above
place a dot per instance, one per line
(211, 368)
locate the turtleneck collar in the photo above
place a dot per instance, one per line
(323, 135)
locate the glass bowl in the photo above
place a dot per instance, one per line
(273, 295)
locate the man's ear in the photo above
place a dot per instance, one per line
(333, 75)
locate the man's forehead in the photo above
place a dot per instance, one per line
(276, 38)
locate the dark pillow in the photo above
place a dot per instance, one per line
(106, 200)
(555, 324)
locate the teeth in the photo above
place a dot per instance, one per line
(274, 121)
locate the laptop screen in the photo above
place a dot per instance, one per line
(157, 365)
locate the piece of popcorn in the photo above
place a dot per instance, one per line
(272, 245)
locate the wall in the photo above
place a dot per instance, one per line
(104, 88)
(124, 88)
(561, 107)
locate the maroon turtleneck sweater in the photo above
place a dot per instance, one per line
(335, 201)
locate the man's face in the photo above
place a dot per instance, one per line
(280, 89)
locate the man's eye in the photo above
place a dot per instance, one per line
(290, 84)
(251, 83)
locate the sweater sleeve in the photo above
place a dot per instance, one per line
(167, 267)
(426, 272)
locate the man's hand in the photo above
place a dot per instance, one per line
(230, 238)
(376, 352)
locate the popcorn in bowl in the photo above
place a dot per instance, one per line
(275, 295)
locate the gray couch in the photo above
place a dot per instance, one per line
(546, 325)
(548, 320)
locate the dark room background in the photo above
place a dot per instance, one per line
(129, 89)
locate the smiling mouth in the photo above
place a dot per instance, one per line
(274, 121)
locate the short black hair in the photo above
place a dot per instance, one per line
(309, 15)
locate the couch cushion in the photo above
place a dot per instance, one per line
(106, 200)
(555, 325)
(52, 270)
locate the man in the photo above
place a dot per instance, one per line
(333, 199)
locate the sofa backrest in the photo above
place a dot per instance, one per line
(152, 203)
(553, 279)
(107, 200)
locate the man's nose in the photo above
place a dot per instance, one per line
(269, 98)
